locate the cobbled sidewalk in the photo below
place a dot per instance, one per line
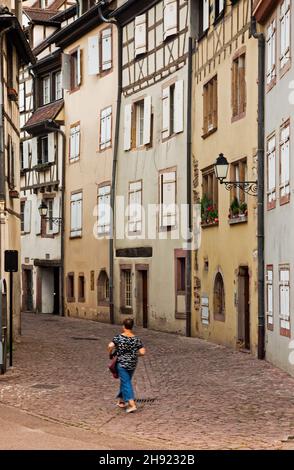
(191, 394)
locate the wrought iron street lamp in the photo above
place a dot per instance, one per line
(221, 168)
(43, 211)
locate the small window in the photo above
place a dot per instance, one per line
(173, 109)
(43, 150)
(209, 201)
(127, 279)
(46, 90)
(285, 164)
(104, 210)
(284, 303)
(74, 145)
(181, 275)
(139, 123)
(50, 214)
(219, 298)
(203, 16)
(58, 86)
(269, 297)
(22, 216)
(238, 196)
(210, 106)
(103, 288)
(271, 172)
(285, 27)
(239, 87)
(135, 207)
(70, 287)
(105, 128)
(167, 194)
(76, 209)
(81, 284)
(219, 8)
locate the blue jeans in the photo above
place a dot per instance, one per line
(126, 391)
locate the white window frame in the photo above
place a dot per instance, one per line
(76, 214)
(58, 86)
(139, 123)
(104, 210)
(75, 142)
(135, 207)
(105, 128)
(284, 297)
(167, 210)
(285, 32)
(46, 90)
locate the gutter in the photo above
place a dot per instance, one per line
(260, 204)
(114, 160)
(189, 192)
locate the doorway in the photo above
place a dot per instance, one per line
(243, 308)
(142, 295)
(28, 290)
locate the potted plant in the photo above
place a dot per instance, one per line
(209, 214)
(234, 208)
(243, 209)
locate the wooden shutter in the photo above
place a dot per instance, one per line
(108, 126)
(140, 35)
(27, 216)
(106, 49)
(103, 115)
(170, 18)
(72, 143)
(179, 107)
(37, 217)
(214, 102)
(272, 164)
(56, 213)
(221, 5)
(25, 154)
(79, 66)
(66, 71)
(205, 14)
(93, 55)
(285, 161)
(166, 110)
(147, 121)
(168, 188)
(128, 127)
(77, 140)
(51, 147)
(242, 84)
(34, 151)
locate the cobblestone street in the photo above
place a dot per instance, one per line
(191, 394)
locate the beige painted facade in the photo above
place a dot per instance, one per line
(225, 312)
(86, 254)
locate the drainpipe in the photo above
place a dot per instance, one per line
(260, 204)
(114, 160)
(189, 191)
(62, 212)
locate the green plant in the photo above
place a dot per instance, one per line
(243, 208)
(235, 206)
(209, 213)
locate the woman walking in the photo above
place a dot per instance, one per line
(127, 347)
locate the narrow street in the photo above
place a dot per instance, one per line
(191, 394)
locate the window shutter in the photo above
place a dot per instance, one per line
(107, 49)
(170, 18)
(140, 34)
(27, 216)
(179, 107)
(108, 127)
(205, 15)
(56, 213)
(165, 110)
(79, 66)
(103, 131)
(34, 151)
(79, 216)
(242, 83)
(128, 127)
(25, 154)
(37, 217)
(51, 147)
(72, 143)
(168, 199)
(221, 5)
(147, 121)
(77, 141)
(271, 164)
(66, 71)
(93, 55)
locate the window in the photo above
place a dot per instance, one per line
(104, 210)
(11, 164)
(210, 106)
(75, 72)
(86, 5)
(209, 201)
(271, 52)
(74, 144)
(284, 309)
(103, 288)
(167, 194)
(58, 86)
(173, 109)
(271, 172)
(22, 97)
(70, 287)
(138, 124)
(219, 8)
(126, 290)
(239, 87)
(269, 297)
(285, 26)
(81, 285)
(238, 196)
(46, 90)
(181, 275)
(50, 214)
(140, 35)
(106, 49)
(22, 216)
(135, 206)
(204, 13)
(76, 206)
(170, 18)
(72, 70)
(219, 298)
(43, 150)
(105, 128)
(285, 164)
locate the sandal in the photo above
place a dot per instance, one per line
(131, 409)
(121, 404)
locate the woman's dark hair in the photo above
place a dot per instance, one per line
(128, 323)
